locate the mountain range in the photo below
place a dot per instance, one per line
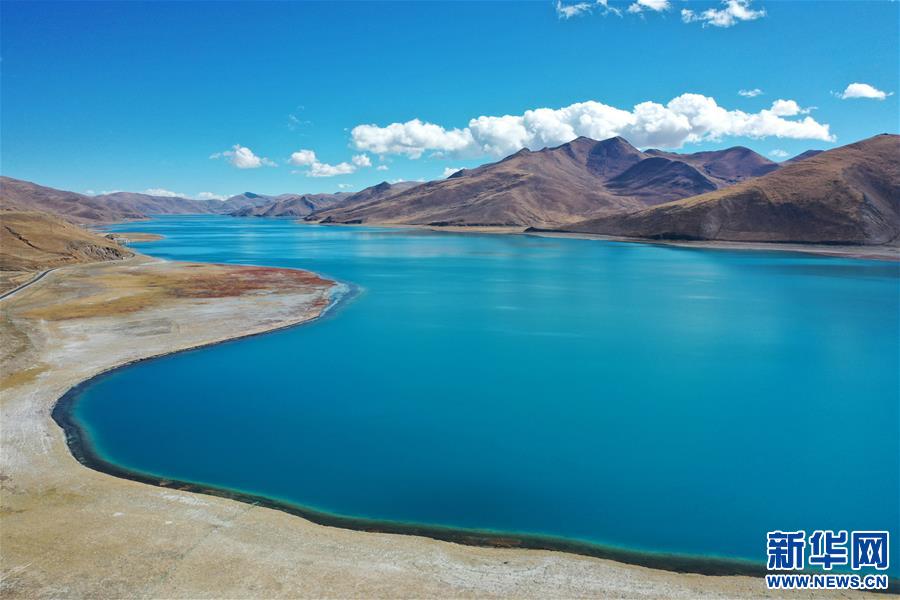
(848, 195)
(557, 186)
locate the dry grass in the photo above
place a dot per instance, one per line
(31, 242)
(129, 290)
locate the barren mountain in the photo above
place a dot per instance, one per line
(803, 156)
(555, 186)
(247, 199)
(33, 241)
(158, 205)
(105, 208)
(290, 205)
(724, 167)
(849, 195)
(74, 207)
(379, 192)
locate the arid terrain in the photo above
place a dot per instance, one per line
(32, 242)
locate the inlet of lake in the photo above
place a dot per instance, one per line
(652, 398)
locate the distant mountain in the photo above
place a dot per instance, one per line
(849, 195)
(556, 186)
(375, 193)
(310, 205)
(658, 179)
(290, 205)
(159, 205)
(33, 241)
(105, 208)
(240, 201)
(74, 207)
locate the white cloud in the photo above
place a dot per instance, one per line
(303, 158)
(361, 160)
(411, 138)
(307, 158)
(244, 158)
(325, 170)
(344, 186)
(209, 196)
(577, 9)
(654, 5)
(787, 108)
(778, 153)
(751, 93)
(567, 11)
(165, 193)
(450, 171)
(381, 168)
(864, 90)
(733, 12)
(687, 118)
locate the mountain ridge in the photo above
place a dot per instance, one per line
(554, 186)
(847, 195)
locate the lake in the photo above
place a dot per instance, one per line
(636, 396)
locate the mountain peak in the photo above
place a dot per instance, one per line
(612, 156)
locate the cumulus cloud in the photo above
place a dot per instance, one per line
(325, 170)
(411, 138)
(653, 5)
(381, 168)
(165, 193)
(750, 93)
(688, 118)
(450, 171)
(209, 196)
(361, 160)
(243, 158)
(778, 153)
(567, 11)
(307, 158)
(734, 11)
(787, 108)
(576, 9)
(863, 90)
(302, 158)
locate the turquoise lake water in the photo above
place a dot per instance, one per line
(639, 396)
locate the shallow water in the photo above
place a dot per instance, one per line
(653, 398)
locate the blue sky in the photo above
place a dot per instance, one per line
(178, 96)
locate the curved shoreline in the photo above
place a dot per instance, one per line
(170, 544)
(78, 442)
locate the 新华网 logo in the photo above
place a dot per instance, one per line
(824, 550)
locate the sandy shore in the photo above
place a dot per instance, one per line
(69, 531)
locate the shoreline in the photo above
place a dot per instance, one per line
(880, 253)
(78, 443)
(122, 517)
